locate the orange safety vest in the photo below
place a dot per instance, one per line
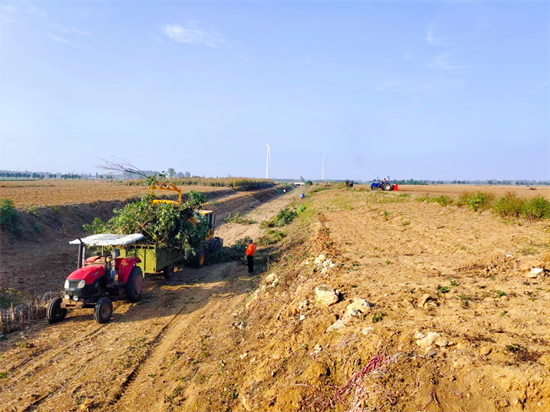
(250, 250)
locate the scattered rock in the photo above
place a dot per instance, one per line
(326, 295)
(270, 278)
(358, 307)
(316, 349)
(336, 325)
(367, 331)
(302, 317)
(485, 350)
(535, 272)
(425, 299)
(244, 355)
(430, 339)
(303, 304)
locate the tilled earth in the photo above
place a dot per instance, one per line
(218, 339)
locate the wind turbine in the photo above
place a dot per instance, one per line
(268, 157)
(323, 168)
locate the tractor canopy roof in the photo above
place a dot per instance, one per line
(108, 239)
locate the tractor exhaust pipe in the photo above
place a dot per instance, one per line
(80, 254)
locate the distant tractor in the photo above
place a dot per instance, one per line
(383, 185)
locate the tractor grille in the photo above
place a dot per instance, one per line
(73, 283)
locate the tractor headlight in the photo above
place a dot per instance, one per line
(67, 284)
(81, 284)
(75, 298)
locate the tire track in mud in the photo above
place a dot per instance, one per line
(158, 341)
(184, 324)
(46, 352)
(67, 390)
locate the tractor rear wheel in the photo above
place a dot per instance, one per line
(169, 271)
(198, 260)
(386, 187)
(103, 310)
(54, 313)
(134, 284)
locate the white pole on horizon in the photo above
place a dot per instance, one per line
(323, 168)
(268, 157)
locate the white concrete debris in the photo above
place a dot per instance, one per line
(321, 262)
(326, 295)
(535, 272)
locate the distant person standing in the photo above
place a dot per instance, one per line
(302, 196)
(250, 255)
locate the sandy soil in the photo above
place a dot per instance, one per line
(217, 339)
(456, 190)
(67, 192)
(79, 364)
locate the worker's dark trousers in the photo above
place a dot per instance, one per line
(250, 263)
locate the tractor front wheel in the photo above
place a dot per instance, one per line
(54, 313)
(103, 310)
(386, 187)
(198, 259)
(169, 272)
(134, 284)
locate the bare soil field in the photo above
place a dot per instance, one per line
(456, 190)
(455, 321)
(66, 192)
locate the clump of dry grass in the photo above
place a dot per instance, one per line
(16, 317)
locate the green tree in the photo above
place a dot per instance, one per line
(171, 173)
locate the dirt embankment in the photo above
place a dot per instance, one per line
(454, 321)
(38, 259)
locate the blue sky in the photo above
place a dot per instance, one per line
(432, 90)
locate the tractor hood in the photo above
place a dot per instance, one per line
(89, 273)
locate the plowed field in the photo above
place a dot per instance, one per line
(67, 192)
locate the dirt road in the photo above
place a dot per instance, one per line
(80, 365)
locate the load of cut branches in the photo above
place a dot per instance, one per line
(164, 224)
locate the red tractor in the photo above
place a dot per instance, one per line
(100, 279)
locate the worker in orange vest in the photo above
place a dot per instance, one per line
(250, 255)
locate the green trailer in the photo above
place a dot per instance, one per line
(154, 259)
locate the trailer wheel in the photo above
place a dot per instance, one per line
(103, 310)
(198, 259)
(386, 187)
(54, 313)
(169, 271)
(134, 284)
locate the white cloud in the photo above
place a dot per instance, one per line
(194, 35)
(7, 9)
(71, 30)
(432, 40)
(443, 61)
(543, 84)
(80, 31)
(35, 10)
(408, 55)
(59, 39)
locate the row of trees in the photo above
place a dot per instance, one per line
(19, 175)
